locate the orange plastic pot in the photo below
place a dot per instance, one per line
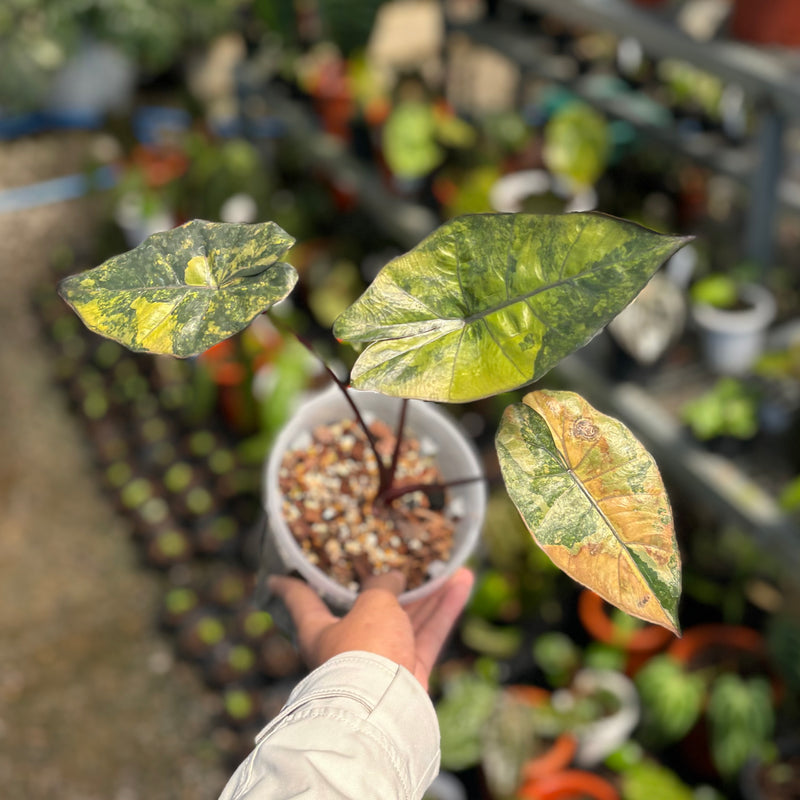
(571, 784)
(560, 754)
(639, 644)
(736, 638)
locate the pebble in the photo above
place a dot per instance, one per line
(329, 484)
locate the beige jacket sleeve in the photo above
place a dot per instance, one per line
(360, 726)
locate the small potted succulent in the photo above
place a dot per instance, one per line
(486, 304)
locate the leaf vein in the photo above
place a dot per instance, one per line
(500, 348)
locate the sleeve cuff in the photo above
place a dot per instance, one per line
(385, 696)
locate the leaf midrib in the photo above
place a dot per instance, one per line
(523, 298)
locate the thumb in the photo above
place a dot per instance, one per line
(393, 582)
(309, 613)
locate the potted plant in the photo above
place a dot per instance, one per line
(713, 692)
(484, 305)
(600, 708)
(514, 746)
(732, 318)
(503, 731)
(727, 412)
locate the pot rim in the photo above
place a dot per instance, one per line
(700, 637)
(424, 419)
(593, 615)
(566, 783)
(739, 321)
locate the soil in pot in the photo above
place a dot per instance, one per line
(329, 489)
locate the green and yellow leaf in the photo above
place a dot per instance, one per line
(490, 302)
(184, 290)
(594, 501)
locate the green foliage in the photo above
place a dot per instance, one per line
(495, 596)
(497, 641)
(729, 408)
(588, 491)
(490, 302)
(37, 37)
(720, 291)
(672, 699)
(482, 306)
(577, 144)
(410, 144)
(741, 719)
(509, 738)
(557, 656)
(348, 23)
(184, 290)
(218, 170)
(650, 781)
(467, 704)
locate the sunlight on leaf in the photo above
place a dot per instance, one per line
(490, 302)
(184, 290)
(594, 501)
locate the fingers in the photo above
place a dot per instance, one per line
(433, 617)
(310, 614)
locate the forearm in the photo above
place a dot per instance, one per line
(359, 726)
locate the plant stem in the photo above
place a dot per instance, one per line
(398, 441)
(387, 491)
(384, 474)
(393, 492)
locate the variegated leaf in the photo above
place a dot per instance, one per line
(490, 302)
(184, 290)
(594, 501)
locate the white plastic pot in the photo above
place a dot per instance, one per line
(598, 739)
(732, 340)
(456, 457)
(509, 192)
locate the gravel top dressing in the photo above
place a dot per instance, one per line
(329, 484)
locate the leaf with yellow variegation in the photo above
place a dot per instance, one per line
(184, 290)
(594, 501)
(490, 302)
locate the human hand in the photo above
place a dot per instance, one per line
(410, 635)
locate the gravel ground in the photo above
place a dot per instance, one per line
(92, 702)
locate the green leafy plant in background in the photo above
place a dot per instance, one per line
(484, 305)
(648, 780)
(672, 699)
(37, 37)
(739, 710)
(729, 408)
(577, 144)
(741, 720)
(467, 703)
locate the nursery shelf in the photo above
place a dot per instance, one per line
(536, 57)
(769, 79)
(766, 77)
(712, 480)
